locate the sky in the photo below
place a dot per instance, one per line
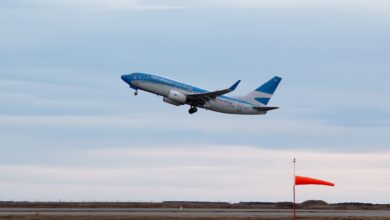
(71, 129)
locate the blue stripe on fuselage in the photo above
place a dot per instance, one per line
(161, 80)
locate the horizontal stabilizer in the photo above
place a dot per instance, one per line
(265, 108)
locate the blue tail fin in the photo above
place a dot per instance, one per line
(270, 86)
(262, 94)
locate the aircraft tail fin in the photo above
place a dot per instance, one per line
(263, 93)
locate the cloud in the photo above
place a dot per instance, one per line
(56, 102)
(128, 129)
(204, 172)
(103, 5)
(271, 3)
(175, 4)
(301, 3)
(156, 122)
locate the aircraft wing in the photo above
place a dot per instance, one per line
(202, 98)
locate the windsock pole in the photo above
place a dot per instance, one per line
(294, 208)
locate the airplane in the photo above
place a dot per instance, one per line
(177, 93)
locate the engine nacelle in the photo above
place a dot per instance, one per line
(169, 101)
(177, 97)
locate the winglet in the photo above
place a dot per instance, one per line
(234, 86)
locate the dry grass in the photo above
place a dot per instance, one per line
(86, 217)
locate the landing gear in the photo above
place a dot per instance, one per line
(192, 110)
(136, 93)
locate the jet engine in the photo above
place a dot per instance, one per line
(175, 98)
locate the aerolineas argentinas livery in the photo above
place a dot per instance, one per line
(176, 93)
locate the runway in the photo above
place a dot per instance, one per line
(170, 212)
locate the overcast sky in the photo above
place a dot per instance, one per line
(70, 129)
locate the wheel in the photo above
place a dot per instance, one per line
(136, 93)
(192, 110)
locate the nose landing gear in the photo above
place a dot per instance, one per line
(192, 110)
(136, 93)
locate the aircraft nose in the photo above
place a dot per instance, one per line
(126, 78)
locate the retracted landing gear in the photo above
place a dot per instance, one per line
(192, 110)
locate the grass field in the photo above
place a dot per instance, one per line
(283, 206)
(53, 217)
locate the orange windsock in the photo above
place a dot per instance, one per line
(302, 180)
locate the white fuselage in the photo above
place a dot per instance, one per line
(223, 104)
